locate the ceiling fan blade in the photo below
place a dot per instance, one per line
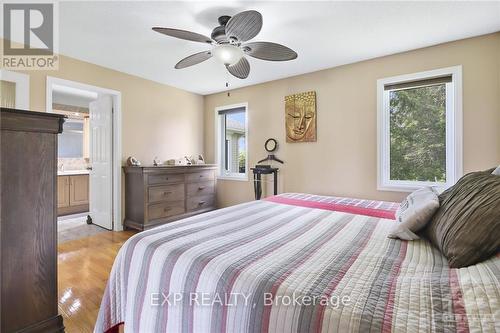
(183, 34)
(269, 51)
(244, 26)
(194, 59)
(241, 69)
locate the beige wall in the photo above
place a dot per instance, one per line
(157, 120)
(167, 122)
(343, 161)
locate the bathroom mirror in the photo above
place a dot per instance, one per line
(70, 143)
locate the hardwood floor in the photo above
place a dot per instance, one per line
(83, 266)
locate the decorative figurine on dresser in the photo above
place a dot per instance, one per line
(28, 229)
(155, 195)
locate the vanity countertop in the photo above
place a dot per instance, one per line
(72, 172)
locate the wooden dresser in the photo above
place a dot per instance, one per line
(28, 224)
(157, 195)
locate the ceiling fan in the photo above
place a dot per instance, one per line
(229, 44)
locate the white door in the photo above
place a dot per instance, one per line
(101, 152)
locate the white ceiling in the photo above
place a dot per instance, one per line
(118, 35)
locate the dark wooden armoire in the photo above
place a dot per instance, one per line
(28, 222)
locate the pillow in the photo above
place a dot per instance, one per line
(466, 228)
(496, 171)
(414, 213)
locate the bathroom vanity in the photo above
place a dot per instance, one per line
(72, 192)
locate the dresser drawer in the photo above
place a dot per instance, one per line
(162, 210)
(166, 193)
(200, 202)
(202, 188)
(158, 195)
(200, 176)
(165, 179)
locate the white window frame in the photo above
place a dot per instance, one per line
(454, 160)
(22, 82)
(218, 143)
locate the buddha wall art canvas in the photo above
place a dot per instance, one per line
(300, 117)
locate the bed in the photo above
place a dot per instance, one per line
(294, 263)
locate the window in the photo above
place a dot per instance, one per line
(420, 130)
(231, 126)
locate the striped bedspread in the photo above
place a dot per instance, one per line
(294, 263)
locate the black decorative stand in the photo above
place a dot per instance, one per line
(260, 170)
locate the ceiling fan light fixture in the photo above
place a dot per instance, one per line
(226, 44)
(227, 54)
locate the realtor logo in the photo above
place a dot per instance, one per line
(30, 24)
(29, 33)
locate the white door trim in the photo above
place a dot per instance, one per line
(22, 82)
(117, 137)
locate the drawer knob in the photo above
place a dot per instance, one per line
(166, 193)
(201, 203)
(201, 176)
(166, 178)
(201, 188)
(166, 209)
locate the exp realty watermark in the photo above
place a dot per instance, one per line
(30, 36)
(235, 299)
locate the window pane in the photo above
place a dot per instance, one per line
(418, 134)
(235, 139)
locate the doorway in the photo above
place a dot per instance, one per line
(89, 157)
